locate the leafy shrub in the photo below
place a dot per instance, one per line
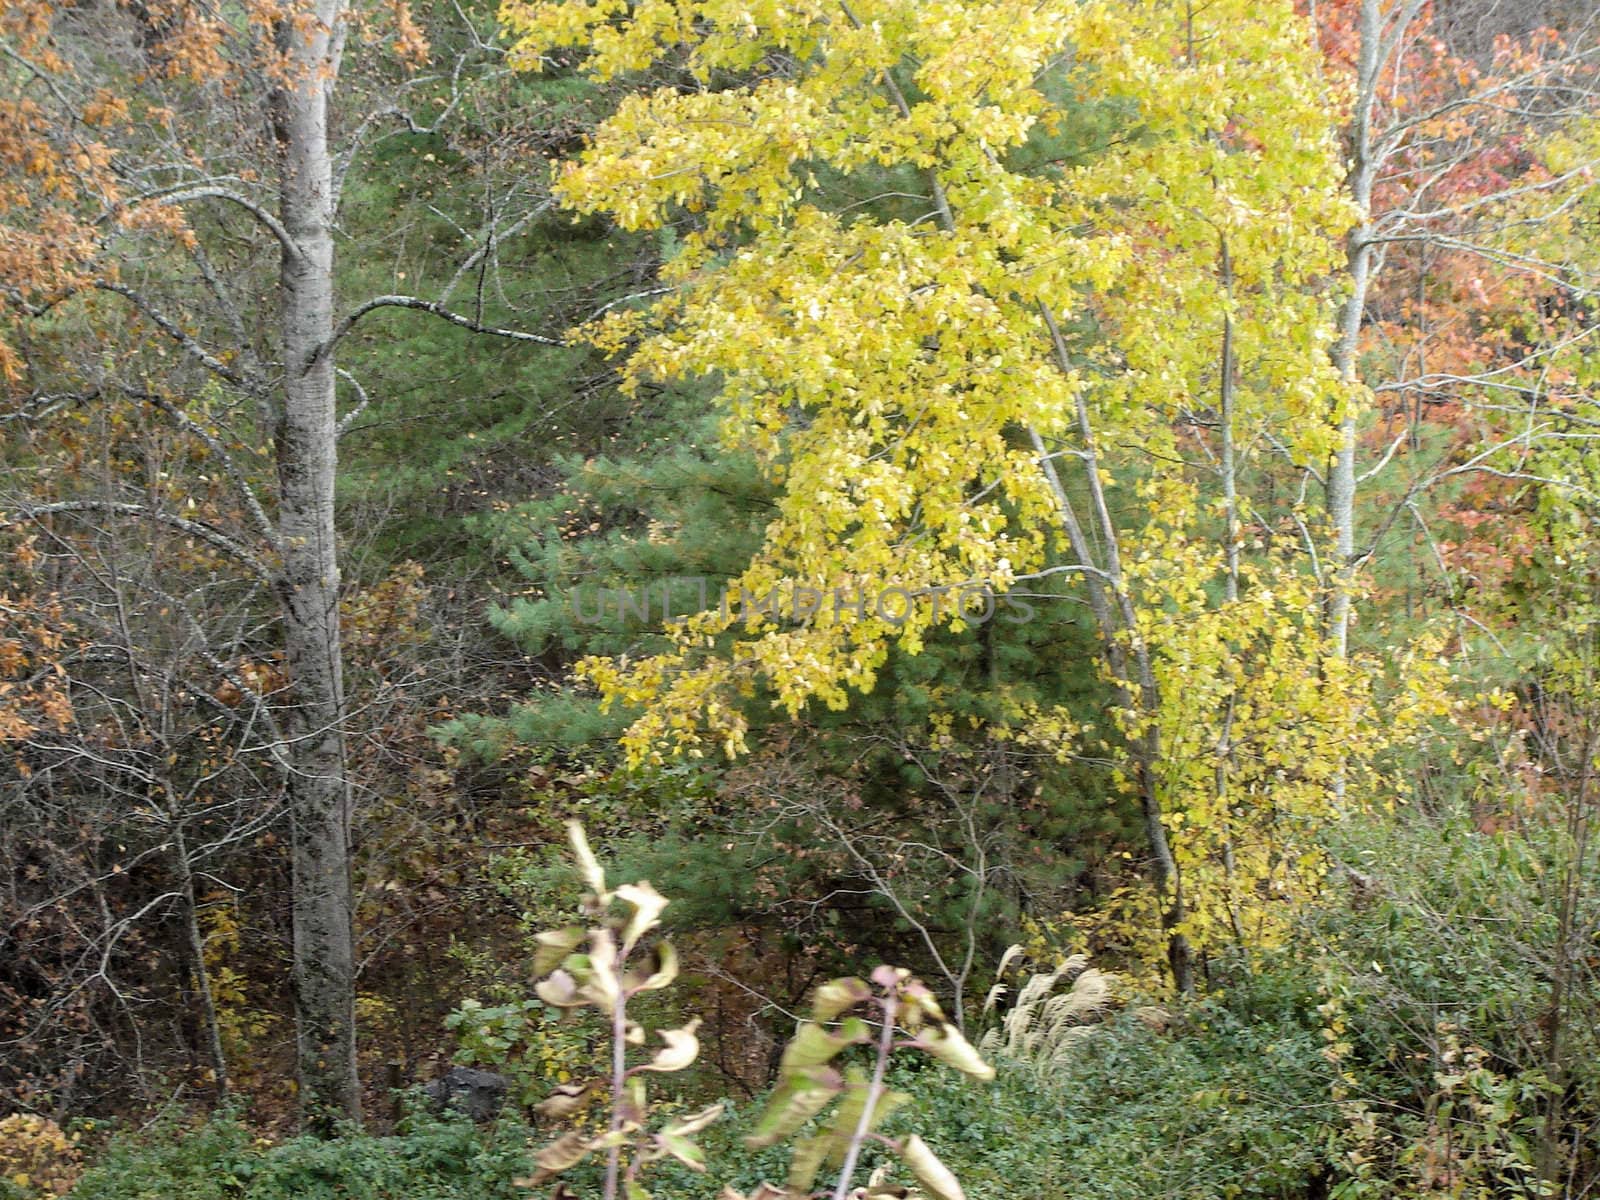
(37, 1158)
(1232, 1102)
(172, 1162)
(520, 1040)
(427, 1159)
(1440, 956)
(828, 1106)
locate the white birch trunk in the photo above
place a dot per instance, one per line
(319, 791)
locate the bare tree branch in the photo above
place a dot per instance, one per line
(427, 306)
(182, 195)
(169, 327)
(197, 529)
(247, 496)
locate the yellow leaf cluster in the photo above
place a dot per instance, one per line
(883, 367)
(37, 1158)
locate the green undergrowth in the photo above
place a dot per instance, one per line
(223, 1159)
(1228, 1101)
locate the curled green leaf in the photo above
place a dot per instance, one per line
(806, 1162)
(797, 1098)
(846, 1119)
(936, 1179)
(946, 1043)
(553, 947)
(813, 1045)
(559, 991)
(588, 864)
(681, 1049)
(682, 1149)
(917, 1004)
(647, 904)
(566, 1151)
(837, 995)
(696, 1121)
(567, 1099)
(600, 985)
(661, 972)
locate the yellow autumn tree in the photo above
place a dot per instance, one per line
(1021, 355)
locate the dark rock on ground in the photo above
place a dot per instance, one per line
(479, 1094)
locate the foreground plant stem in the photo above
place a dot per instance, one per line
(619, 1080)
(874, 1090)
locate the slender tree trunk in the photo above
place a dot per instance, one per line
(1169, 880)
(1130, 664)
(319, 792)
(1147, 748)
(1227, 467)
(1551, 1155)
(1342, 471)
(210, 1028)
(1369, 151)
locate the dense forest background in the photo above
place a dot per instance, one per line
(1094, 498)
